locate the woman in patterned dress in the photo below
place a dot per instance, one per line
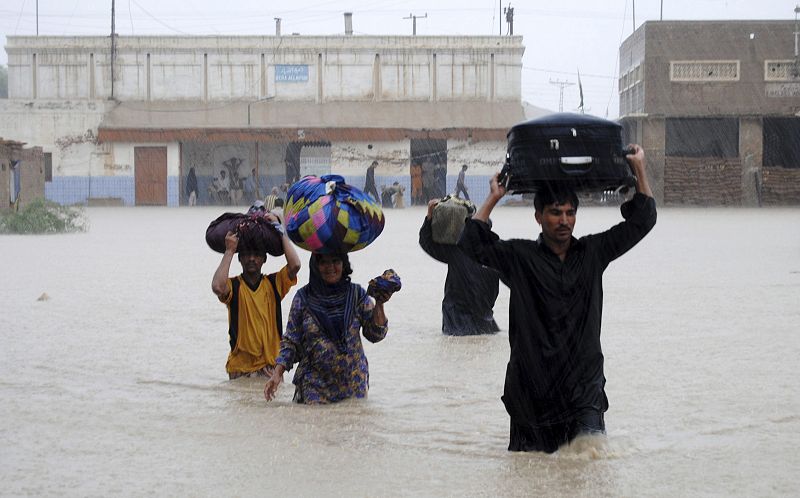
(323, 335)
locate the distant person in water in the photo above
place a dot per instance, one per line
(323, 335)
(369, 182)
(461, 185)
(554, 386)
(253, 301)
(470, 289)
(398, 197)
(191, 187)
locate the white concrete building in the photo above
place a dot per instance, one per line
(130, 127)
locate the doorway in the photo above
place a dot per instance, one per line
(150, 175)
(428, 170)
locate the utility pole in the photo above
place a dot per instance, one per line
(113, 48)
(561, 85)
(509, 12)
(796, 68)
(412, 16)
(500, 17)
(796, 31)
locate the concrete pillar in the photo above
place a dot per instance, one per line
(654, 140)
(377, 81)
(751, 146)
(320, 83)
(491, 73)
(434, 70)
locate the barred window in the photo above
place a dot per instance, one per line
(702, 137)
(630, 78)
(704, 70)
(781, 71)
(781, 147)
(48, 166)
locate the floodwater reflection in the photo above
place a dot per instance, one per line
(116, 383)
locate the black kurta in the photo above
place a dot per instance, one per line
(470, 289)
(555, 371)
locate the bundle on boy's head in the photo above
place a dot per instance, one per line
(554, 194)
(257, 207)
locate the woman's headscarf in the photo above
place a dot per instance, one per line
(331, 305)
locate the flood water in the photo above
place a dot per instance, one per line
(116, 384)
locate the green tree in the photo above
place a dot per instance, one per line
(3, 82)
(42, 216)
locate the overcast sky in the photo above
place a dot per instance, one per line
(560, 36)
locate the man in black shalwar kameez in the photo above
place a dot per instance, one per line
(470, 289)
(554, 386)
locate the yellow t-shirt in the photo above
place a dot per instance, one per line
(257, 339)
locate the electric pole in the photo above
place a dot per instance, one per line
(412, 16)
(500, 17)
(561, 85)
(113, 48)
(796, 68)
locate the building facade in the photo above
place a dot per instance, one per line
(22, 174)
(716, 105)
(127, 123)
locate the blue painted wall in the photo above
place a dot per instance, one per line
(69, 190)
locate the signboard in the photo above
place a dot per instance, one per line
(291, 73)
(783, 90)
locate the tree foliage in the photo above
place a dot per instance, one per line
(42, 216)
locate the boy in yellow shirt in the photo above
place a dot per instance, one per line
(253, 301)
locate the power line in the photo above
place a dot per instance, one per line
(604, 76)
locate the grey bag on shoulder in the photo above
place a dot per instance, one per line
(448, 217)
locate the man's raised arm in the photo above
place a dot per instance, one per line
(496, 192)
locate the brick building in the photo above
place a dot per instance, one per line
(716, 105)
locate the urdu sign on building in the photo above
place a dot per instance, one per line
(783, 89)
(291, 73)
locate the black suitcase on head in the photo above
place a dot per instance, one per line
(566, 150)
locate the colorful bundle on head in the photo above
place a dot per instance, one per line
(325, 215)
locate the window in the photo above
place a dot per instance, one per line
(48, 166)
(781, 71)
(631, 77)
(702, 137)
(781, 147)
(690, 71)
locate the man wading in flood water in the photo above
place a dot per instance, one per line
(554, 387)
